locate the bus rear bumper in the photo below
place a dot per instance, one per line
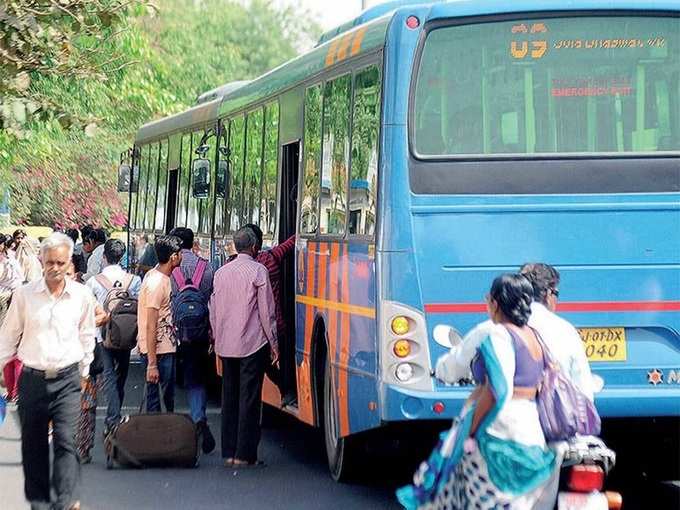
(653, 401)
(401, 404)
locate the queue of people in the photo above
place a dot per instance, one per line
(496, 455)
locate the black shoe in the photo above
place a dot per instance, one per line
(289, 400)
(206, 437)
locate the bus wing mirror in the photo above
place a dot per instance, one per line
(200, 170)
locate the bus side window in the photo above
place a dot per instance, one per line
(271, 156)
(309, 211)
(134, 188)
(152, 187)
(364, 173)
(162, 186)
(237, 145)
(142, 194)
(252, 185)
(335, 162)
(194, 204)
(183, 181)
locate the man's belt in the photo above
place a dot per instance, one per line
(55, 373)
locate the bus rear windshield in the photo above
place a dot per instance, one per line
(586, 85)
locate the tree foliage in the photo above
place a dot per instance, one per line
(77, 88)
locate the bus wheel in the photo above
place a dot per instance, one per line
(340, 450)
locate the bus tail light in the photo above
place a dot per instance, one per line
(402, 348)
(404, 372)
(585, 478)
(400, 325)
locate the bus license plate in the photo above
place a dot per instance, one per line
(604, 344)
(577, 501)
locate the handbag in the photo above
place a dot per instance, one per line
(563, 410)
(97, 365)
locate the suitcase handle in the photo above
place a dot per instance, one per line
(142, 408)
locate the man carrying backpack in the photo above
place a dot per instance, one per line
(192, 285)
(117, 292)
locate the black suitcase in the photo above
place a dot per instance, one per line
(153, 440)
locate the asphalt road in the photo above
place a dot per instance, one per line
(296, 476)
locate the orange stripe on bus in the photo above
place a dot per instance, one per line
(304, 371)
(358, 39)
(332, 50)
(333, 296)
(326, 304)
(345, 43)
(344, 347)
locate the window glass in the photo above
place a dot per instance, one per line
(559, 85)
(336, 115)
(271, 155)
(221, 176)
(207, 204)
(142, 194)
(309, 209)
(364, 174)
(236, 139)
(152, 188)
(134, 185)
(253, 170)
(162, 186)
(193, 207)
(183, 181)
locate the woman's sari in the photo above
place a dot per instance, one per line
(506, 463)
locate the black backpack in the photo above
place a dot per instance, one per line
(121, 331)
(190, 315)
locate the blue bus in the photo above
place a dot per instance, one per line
(419, 151)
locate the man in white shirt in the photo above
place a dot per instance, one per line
(560, 336)
(95, 262)
(50, 326)
(116, 361)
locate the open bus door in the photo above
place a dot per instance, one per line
(287, 222)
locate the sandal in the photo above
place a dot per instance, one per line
(240, 464)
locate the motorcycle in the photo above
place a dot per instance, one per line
(585, 465)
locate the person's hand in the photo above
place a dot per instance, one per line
(83, 383)
(218, 365)
(152, 375)
(275, 354)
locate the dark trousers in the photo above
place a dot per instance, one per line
(196, 360)
(41, 401)
(241, 404)
(166, 372)
(116, 365)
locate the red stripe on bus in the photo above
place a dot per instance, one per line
(583, 306)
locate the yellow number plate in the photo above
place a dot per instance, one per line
(604, 344)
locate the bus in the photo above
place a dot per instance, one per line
(417, 152)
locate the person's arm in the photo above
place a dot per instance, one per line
(485, 402)
(267, 311)
(152, 374)
(86, 329)
(12, 329)
(93, 264)
(283, 249)
(579, 369)
(100, 316)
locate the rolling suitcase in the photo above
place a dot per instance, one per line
(153, 440)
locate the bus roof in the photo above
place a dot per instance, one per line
(183, 121)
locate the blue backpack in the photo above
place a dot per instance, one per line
(190, 314)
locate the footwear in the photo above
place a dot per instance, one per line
(228, 462)
(206, 437)
(75, 506)
(85, 459)
(290, 399)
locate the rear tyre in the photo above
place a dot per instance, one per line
(341, 451)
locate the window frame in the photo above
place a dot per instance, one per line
(248, 113)
(301, 171)
(498, 18)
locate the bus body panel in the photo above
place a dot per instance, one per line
(336, 289)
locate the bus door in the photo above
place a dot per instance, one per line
(287, 221)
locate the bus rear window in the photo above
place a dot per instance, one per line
(549, 86)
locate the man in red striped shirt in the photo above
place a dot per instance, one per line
(273, 259)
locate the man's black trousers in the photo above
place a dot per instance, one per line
(42, 400)
(241, 404)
